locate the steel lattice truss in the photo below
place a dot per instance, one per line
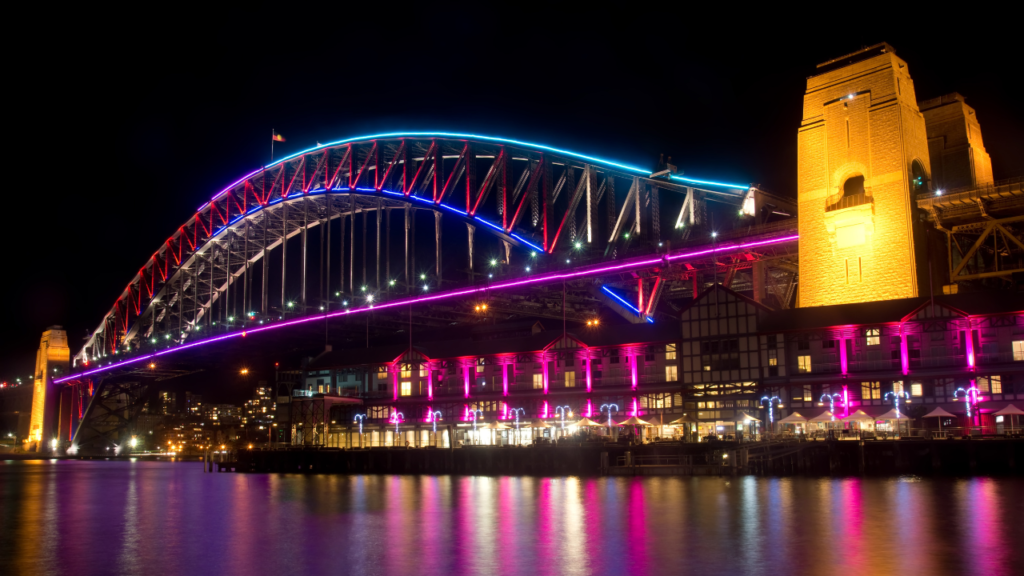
(984, 228)
(361, 201)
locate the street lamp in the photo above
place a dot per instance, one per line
(771, 411)
(474, 413)
(563, 410)
(397, 417)
(359, 418)
(609, 408)
(517, 412)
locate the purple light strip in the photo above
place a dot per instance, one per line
(553, 277)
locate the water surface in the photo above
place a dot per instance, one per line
(153, 518)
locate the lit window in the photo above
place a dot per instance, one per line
(874, 336)
(538, 381)
(808, 397)
(382, 373)
(320, 389)
(570, 379)
(423, 371)
(916, 389)
(897, 387)
(480, 366)
(670, 352)
(406, 388)
(1018, 350)
(997, 384)
(871, 390)
(773, 357)
(406, 371)
(671, 373)
(803, 364)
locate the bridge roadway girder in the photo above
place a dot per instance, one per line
(215, 268)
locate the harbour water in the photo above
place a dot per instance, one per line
(100, 517)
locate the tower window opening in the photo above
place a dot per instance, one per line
(918, 178)
(853, 186)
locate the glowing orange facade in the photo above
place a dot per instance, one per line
(862, 157)
(52, 358)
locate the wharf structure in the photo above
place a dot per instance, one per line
(887, 190)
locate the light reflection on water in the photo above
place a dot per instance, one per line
(170, 518)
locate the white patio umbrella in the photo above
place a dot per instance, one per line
(634, 421)
(940, 414)
(859, 416)
(744, 416)
(898, 417)
(825, 416)
(794, 418)
(588, 422)
(894, 415)
(492, 426)
(1010, 411)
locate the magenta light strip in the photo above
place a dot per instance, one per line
(970, 346)
(539, 279)
(904, 354)
(842, 356)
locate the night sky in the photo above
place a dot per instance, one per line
(125, 123)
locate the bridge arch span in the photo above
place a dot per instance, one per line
(533, 201)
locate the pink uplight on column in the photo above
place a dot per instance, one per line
(544, 368)
(504, 411)
(969, 336)
(590, 381)
(843, 365)
(394, 379)
(430, 385)
(466, 380)
(545, 413)
(903, 352)
(590, 408)
(636, 410)
(633, 370)
(846, 401)
(504, 379)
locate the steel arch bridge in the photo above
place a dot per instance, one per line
(333, 230)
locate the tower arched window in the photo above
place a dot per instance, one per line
(853, 186)
(918, 178)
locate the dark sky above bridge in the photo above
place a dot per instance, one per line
(127, 122)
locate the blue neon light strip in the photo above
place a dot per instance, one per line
(492, 225)
(711, 183)
(473, 137)
(453, 209)
(528, 243)
(608, 291)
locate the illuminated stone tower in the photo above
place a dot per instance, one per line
(958, 156)
(52, 360)
(862, 157)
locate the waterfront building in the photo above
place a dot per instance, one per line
(889, 193)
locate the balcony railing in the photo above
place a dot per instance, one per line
(849, 202)
(871, 365)
(998, 358)
(938, 361)
(826, 368)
